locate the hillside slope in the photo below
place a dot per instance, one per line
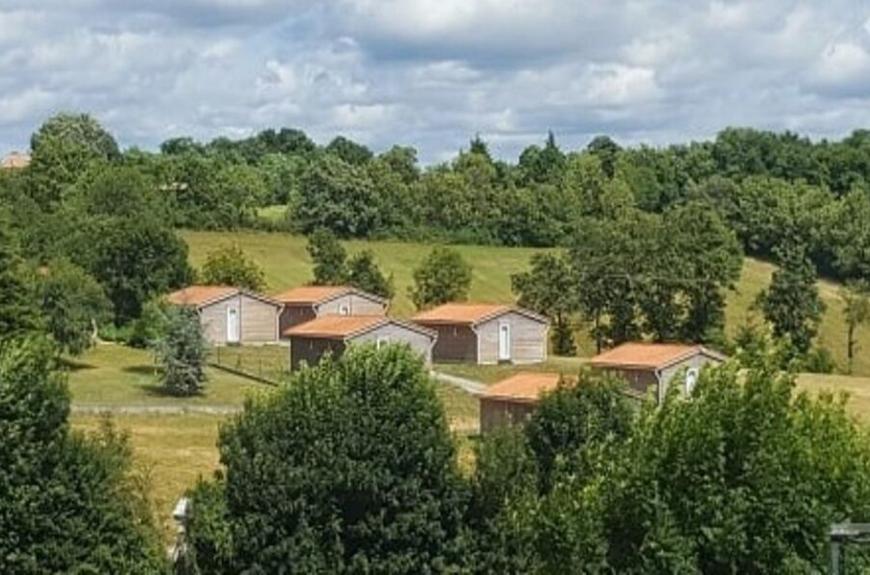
(286, 264)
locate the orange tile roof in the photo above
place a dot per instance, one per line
(199, 294)
(645, 355)
(523, 387)
(336, 326)
(310, 294)
(15, 160)
(465, 313)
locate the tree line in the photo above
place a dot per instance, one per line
(767, 187)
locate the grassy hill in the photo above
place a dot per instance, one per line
(285, 261)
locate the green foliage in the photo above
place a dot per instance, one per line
(182, 352)
(19, 311)
(574, 423)
(856, 309)
(549, 289)
(70, 503)
(134, 259)
(63, 148)
(209, 545)
(349, 151)
(73, 305)
(743, 478)
(440, 278)
(230, 266)
(792, 304)
(365, 482)
(328, 256)
(363, 273)
(339, 196)
(147, 329)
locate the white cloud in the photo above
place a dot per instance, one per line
(431, 73)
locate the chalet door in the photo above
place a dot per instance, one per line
(504, 342)
(233, 324)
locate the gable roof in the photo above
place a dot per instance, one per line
(523, 387)
(345, 327)
(313, 295)
(470, 313)
(640, 355)
(204, 295)
(199, 295)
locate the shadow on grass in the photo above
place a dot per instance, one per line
(142, 369)
(157, 390)
(75, 365)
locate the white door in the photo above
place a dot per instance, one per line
(233, 331)
(504, 342)
(691, 379)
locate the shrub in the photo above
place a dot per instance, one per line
(183, 352)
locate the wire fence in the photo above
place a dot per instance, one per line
(267, 363)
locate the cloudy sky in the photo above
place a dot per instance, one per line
(432, 73)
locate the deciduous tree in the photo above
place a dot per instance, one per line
(230, 266)
(443, 276)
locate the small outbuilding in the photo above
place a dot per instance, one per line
(512, 401)
(654, 365)
(309, 341)
(230, 315)
(486, 333)
(305, 303)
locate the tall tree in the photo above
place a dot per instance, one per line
(385, 497)
(73, 304)
(19, 313)
(71, 503)
(328, 257)
(182, 352)
(443, 276)
(607, 152)
(230, 266)
(550, 289)
(856, 310)
(792, 304)
(63, 148)
(363, 273)
(339, 196)
(349, 151)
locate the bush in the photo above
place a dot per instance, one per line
(349, 468)
(442, 277)
(230, 266)
(69, 503)
(183, 352)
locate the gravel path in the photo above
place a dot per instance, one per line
(84, 409)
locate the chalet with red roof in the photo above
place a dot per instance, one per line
(311, 340)
(512, 401)
(654, 366)
(230, 315)
(305, 303)
(486, 333)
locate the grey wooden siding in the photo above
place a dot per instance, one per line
(454, 343)
(396, 333)
(311, 349)
(698, 361)
(499, 413)
(356, 305)
(214, 320)
(644, 380)
(257, 320)
(293, 315)
(528, 339)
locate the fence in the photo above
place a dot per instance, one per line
(266, 363)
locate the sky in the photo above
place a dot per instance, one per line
(433, 73)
